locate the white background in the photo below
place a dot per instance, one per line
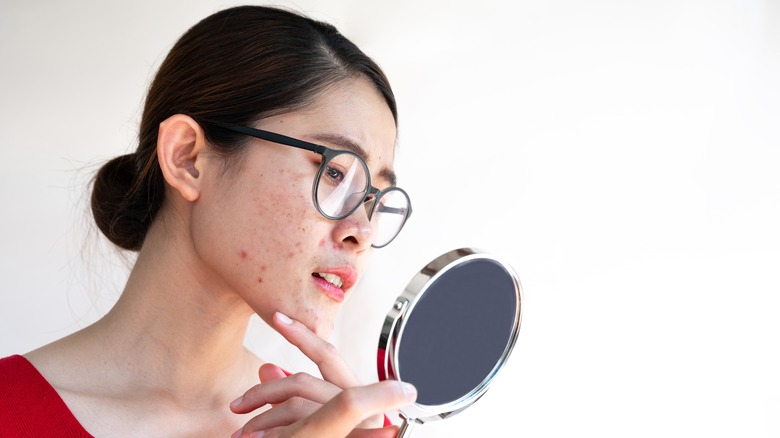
(621, 155)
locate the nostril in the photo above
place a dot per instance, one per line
(351, 239)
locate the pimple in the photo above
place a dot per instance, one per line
(290, 254)
(243, 254)
(322, 243)
(260, 280)
(263, 268)
(338, 245)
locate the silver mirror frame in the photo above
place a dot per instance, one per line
(395, 324)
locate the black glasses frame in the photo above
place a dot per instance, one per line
(372, 194)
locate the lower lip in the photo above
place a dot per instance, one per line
(334, 293)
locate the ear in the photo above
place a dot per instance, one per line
(181, 144)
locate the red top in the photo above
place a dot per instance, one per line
(29, 405)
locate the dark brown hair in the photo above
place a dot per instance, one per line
(236, 66)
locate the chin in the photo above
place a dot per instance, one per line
(319, 322)
(322, 328)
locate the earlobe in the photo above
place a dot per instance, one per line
(180, 144)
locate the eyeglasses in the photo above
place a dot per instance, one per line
(343, 183)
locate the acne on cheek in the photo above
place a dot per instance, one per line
(244, 255)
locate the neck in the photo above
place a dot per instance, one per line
(175, 330)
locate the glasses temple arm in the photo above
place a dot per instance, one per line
(274, 137)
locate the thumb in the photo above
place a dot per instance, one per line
(269, 372)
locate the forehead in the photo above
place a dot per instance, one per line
(351, 115)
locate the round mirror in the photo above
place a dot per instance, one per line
(450, 332)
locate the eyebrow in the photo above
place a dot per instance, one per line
(347, 143)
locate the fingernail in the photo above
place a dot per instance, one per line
(284, 319)
(237, 433)
(410, 392)
(236, 402)
(258, 434)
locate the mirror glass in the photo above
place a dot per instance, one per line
(450, 332)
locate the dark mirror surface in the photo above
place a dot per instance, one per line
(457, 331)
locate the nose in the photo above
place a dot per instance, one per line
(355, 231)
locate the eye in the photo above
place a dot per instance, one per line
(334, 174)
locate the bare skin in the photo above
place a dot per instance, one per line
(169, 359)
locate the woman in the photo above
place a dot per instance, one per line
(262, 181)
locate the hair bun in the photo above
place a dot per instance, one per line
(114, 206)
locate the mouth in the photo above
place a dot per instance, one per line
(334, 282)
(331, 278)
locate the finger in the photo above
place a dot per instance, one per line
(338, 417)
(283, 414)
(384, 432)
(322, 353)
(277, 391)
(269, 372)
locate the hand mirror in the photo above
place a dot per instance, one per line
(450, 332)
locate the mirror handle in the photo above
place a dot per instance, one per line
(406, 427)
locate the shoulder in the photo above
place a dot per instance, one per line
(19, 380)
(29, 405)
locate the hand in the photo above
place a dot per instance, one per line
(307, 406)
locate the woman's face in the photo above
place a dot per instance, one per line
(257, 230)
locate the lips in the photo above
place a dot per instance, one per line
(331, 278)
(336, 280)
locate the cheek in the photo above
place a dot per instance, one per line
(248, 227)
(289, 222)
(261, 239)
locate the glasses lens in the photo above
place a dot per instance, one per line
(390, 214)
(343, 185)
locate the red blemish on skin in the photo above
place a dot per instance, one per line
(259, 280)
(338, 245)
(263, 267)
(290, 254)
(298, 245)
(322, 243)
(243, 254)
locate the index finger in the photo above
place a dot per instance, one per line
(342, 413)
(321, 352)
